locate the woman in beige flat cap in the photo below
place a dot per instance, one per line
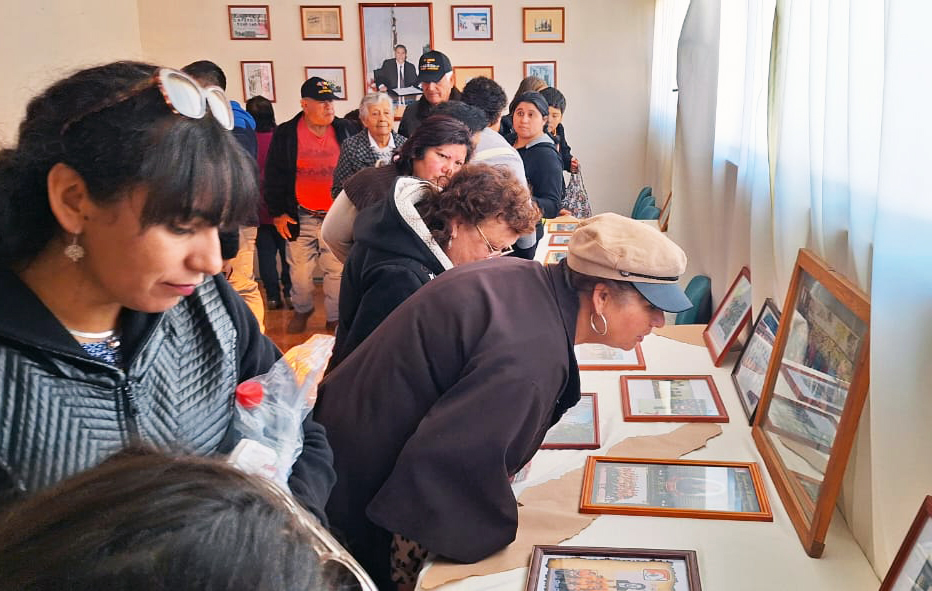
(452, 394)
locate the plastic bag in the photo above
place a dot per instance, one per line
(576, 199)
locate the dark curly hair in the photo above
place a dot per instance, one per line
(119, 134)
(478, 192)
(436, 130)
(487, 95)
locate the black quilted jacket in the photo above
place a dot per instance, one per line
(62, 411)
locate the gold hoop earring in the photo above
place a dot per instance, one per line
(74, 251)
(604, 330)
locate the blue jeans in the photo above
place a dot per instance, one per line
(302, 255)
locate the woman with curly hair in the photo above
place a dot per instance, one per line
(403, 242)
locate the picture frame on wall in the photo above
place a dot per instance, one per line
(335, 75)
(911, 569)
(249, 22)
(686, 399)
(730, 318)
(544, 24)
(471, 23)
(702, 489)
(578, 428)
(323, 23)
(384, 26)
(595, 356)
(577, 567)
(463, 74)
(545, 70)
(751, 368)
(258, 80)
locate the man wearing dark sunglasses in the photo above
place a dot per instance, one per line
(298, 176)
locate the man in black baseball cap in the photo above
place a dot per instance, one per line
(435, 74)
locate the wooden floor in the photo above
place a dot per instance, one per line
(277, 320)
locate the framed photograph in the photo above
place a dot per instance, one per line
(385, 26)
(560, 239)
(463, 74)
(561, 227)
(911, 570)
(578, 567)
(258, 80)
(813, 395)
(732, 315)
(578, 428)
(471, 23)
(595, 356)
(674, 488)
(335, 75)
(555, 256)
(323, 23)
(249, 22)
(544, 25)
(546, 71)
(751, 369)
(671, 398)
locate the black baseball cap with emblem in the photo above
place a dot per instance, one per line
(318, 89)
(433, 66)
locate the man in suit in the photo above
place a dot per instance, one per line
(396, 73)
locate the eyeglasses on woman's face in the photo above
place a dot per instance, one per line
(494, 251)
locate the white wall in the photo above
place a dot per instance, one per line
(603, 68)
(45, 39)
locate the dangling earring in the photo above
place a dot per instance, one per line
(604, 330)
(74, 251)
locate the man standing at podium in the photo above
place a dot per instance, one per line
(396, 73)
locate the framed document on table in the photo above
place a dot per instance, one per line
(682, 399)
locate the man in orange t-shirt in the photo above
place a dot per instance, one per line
(298, 174)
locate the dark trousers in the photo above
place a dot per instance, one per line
(270, 245)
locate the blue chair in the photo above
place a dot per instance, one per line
(699, 292)
(648, 212)
(643, 197)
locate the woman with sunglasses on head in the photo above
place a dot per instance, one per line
(403, 242)
(433, 154)
(115, 326)
(143, 520)
(452, 394)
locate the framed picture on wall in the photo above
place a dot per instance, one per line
(335, 75)
(258, 80)
(546, 71)
(463, 74)
(544, 25)
(249, 22)
(732, 315)
(912, 568)
(383, 28)
(471, 23)
(322, 23)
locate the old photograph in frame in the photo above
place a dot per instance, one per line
(249, 23)
(335, 75)
(674, 488)
(911, 569)
(593, 356)
(544, 25)
(751, 368)
(561, 227)
(258, 80)
(731, 316)
(471, 23)
(545, 70)
(584, 567)
(578, 428)
(463, 74)
(559, 240)
(687, 399)
(384, 26)
(323, 23)
(807, 427)
(555, 256)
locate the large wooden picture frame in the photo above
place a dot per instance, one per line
(249, 22)
(544, 24)
(825, 330)
(572, 567)
(730, 318)
(680, 399)
(750, 370)
(593, 356)
(322, 23)
(911, 570)
(578, 428)
(674, 488)
(383, 26)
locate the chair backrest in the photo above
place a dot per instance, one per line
(648, 212)
(643, 197)
(699, 292)
(638, 211)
